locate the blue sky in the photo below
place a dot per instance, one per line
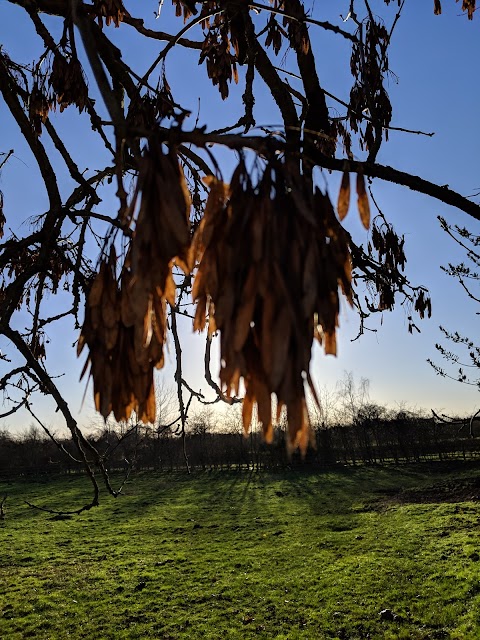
(436, 91)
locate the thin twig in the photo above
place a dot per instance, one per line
(178, 379)
(51, 436)
(328, 26)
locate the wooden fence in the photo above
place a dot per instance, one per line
(396, 441)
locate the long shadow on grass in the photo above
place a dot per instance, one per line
(195, 496)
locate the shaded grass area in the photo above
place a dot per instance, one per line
(244, 555)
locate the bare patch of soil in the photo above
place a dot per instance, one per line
(465, 490)
(451, 491)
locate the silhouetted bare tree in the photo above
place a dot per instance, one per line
(465, 351)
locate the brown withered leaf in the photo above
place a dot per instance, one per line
(362, 201)
(344, 196)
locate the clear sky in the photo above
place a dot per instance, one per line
(433, 89)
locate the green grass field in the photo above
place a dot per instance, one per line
(246, 555)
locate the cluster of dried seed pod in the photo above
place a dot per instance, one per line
(296, 27)
(100, 331)
(39, 105)
(275, 34)
(221, 64)
(110, 10)
(273, 262)
(273, 258)
(68, 82)
(467, 5)
(145, 111)
(125, 322)
(64, 84)
(184, 7)
(363, 205)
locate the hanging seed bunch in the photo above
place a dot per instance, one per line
(343, 203)
(226, 42)
(235, 14)
(221, 64)
(110, 10)
(275, 35)
(68, 82)
(185, 8)
(210, 12)
(423, 304)
(294, 27)
(125, 323)
(389, 246)
(297, 30)
(120, 383)
(146, 110)
(37, 346)
(100, 332)
(161, 239)
(369, 67)
(385, 258)
(272, 260)
(467, 5)
(390, 256)
(39, 104)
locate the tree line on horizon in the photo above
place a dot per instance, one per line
(374, 435)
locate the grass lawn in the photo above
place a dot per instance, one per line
(246, 555)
